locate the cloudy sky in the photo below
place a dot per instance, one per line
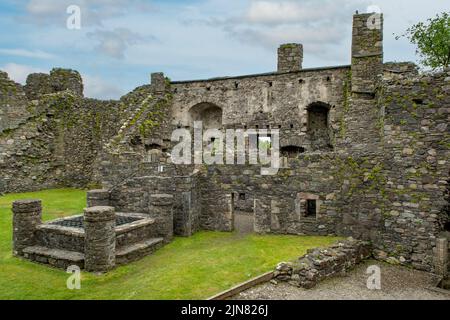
(122, 41)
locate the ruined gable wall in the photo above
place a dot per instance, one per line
(57, 142)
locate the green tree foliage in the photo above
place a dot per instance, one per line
(432, 39)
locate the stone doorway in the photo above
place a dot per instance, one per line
(244, 222)
(243, 212)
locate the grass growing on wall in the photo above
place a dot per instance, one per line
(187, 268)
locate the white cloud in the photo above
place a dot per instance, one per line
(373, 9)
(282, 12)
(20, 72)
(43, 7)
(270, 23)
(44, 12)
(37, 54)
(98, 88)
(114, 43)
(93, 12)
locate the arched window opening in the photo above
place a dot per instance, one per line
(209, 114)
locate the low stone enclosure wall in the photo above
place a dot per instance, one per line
(320, 264)
(97, 241)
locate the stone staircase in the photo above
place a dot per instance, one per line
(135, 118)
(62, 259)
(57, 258)
(137, 250)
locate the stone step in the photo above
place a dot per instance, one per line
(138, 250)
(55, 257)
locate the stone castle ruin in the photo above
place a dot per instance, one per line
(365, 152)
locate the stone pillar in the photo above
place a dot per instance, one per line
(158, 82)
(225, 206)
(161, 208)
(367, 52)
(441, 257)
(183, 217)
(290, 57)
(100, 239)
(27, 215)
(96, 198)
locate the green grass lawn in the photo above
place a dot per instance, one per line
(188, 268)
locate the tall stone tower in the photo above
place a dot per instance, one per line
(364, 132)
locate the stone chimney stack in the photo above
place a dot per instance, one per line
(290, 57)
(158, 82)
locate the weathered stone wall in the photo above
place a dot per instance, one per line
(243, 202)
(277, 198)
(57, 134)
(151, 195)
(416, 166)
(320, 264)
(13, 104)
(58, 145)
(52, 236)
(274, 100)
(392, 192)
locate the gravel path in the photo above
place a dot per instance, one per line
(397, 283)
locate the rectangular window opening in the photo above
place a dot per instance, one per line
(265, 142)
(311, 208)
